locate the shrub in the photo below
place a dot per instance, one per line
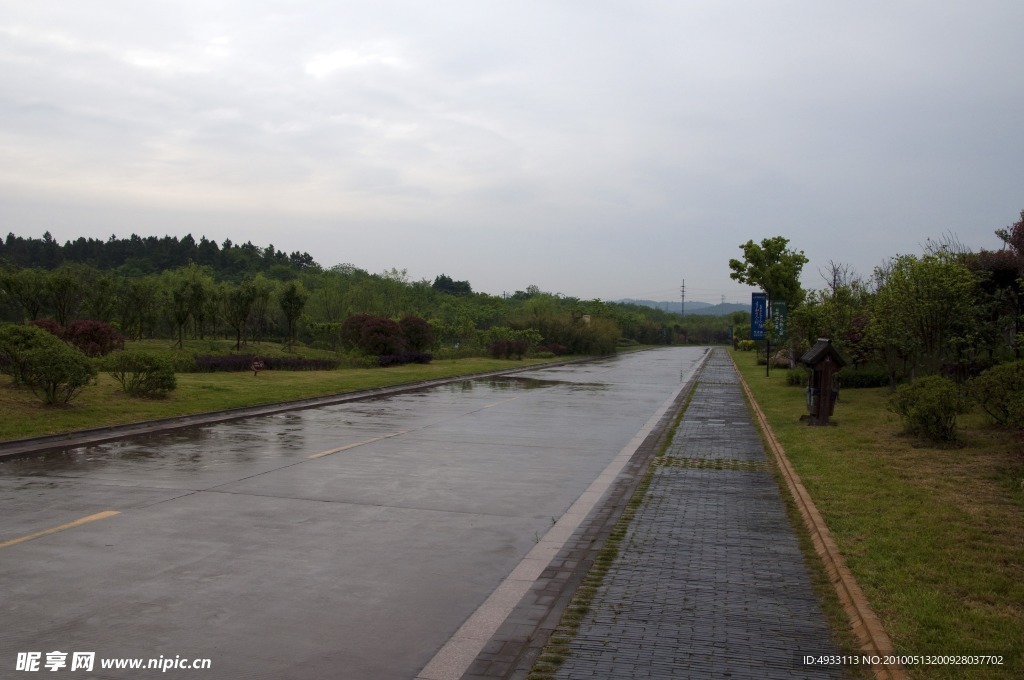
(50, 326)
(386, 360)
(1000, 393)
(417, 333)
(94, 338)
(508, 348)
(747, 345)
(142, 374)
(929, 407)
(381, 336)
(351, 330)
(797, 377)
(374, 334)
(863, 377)
(243, 362)
(16, 342)
(57, 373)
(299, 364)
(554, 348)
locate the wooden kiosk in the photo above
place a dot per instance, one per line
(824, 361)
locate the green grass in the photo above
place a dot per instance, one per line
(934, 535)
(105, 404)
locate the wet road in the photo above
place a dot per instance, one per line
(348, 541)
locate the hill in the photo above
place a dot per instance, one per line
(695, 308)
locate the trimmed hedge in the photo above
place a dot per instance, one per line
(386, 360)
(243, 362)
(863, 377)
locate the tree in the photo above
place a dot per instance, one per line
(179, 293)
(100, 300)
(237, 308)
(27, 288)
(772, 267)
(1001, 287)
(444, 284)
(65, 291)
(923, 310)
(137, 301)
(262, 291)
(292, 300)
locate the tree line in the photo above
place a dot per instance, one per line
(181, 289)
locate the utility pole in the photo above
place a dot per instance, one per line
(682, 300)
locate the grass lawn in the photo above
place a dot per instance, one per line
(934, 535)
(104, 404)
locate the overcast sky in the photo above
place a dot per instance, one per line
(591, 148)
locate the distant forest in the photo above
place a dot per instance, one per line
(181, 288)
(138, 256)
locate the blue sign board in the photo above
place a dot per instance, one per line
(780, 316)
(758, 315)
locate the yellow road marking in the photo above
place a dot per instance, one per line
(78, 522)
(346, 447)
(498, 402)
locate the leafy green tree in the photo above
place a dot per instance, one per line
(65, 289)
(238, 302)
(924, 309)
(200, 290)
(179, 296)
(262, 294)
(100, 296)
(292, 300)
(27, 288)
(138, 302)
(773, 267)
(444, 284)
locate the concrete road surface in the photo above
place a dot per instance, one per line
(349, 541)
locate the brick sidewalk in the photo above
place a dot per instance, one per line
(710, 581)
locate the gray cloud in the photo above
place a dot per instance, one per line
(597, 149)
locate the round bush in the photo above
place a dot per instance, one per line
(999, 391)
(57, 374)
(929, 407)
(16, 341)
(142, 374)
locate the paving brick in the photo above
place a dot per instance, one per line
(710, 581)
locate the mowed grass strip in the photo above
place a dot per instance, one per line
(105, 404)
(934, 535)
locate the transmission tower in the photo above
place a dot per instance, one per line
(682, 299)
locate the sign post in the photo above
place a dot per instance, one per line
(758, 315)
(780, 317)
